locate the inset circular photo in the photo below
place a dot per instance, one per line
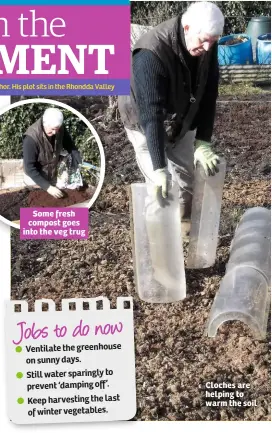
(50, 156)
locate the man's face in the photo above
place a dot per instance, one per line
(198, 43)
(49, 130)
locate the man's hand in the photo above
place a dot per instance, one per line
(161, 178)
(207, 158)
(161, 183)
(76, 159)
(55, 192)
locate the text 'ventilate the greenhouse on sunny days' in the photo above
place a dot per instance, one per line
(54, 223)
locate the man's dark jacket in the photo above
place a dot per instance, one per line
(187, 104)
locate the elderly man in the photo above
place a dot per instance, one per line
(169, 115)
(43, 145)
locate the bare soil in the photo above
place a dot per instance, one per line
(12, 201)
(173, 356)
(70, 197)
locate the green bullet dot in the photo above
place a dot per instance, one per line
(20, 400)
(18, 349)
(19, 375)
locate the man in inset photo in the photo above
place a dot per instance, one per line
(45, 144)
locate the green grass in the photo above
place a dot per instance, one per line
(241, 89)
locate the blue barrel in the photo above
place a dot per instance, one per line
(263, 49)
(238, 54)
(257, 26)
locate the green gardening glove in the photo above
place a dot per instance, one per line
(160, 178)
(206, 157)
(162, 184)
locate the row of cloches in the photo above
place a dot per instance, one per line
(244, 292)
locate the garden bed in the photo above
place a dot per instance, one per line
(173, 356)
(11, 201)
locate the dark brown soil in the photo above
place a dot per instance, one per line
(40, 198)
(173, 356)
(12, 201)
(242, 134)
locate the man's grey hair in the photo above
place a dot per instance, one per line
(52, 117)
(204, 17)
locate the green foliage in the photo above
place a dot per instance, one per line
(240, 89)
(237, 13)
(15, 122)
(13, 125)
(152, 13)
(86, 144)
(83, 138)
